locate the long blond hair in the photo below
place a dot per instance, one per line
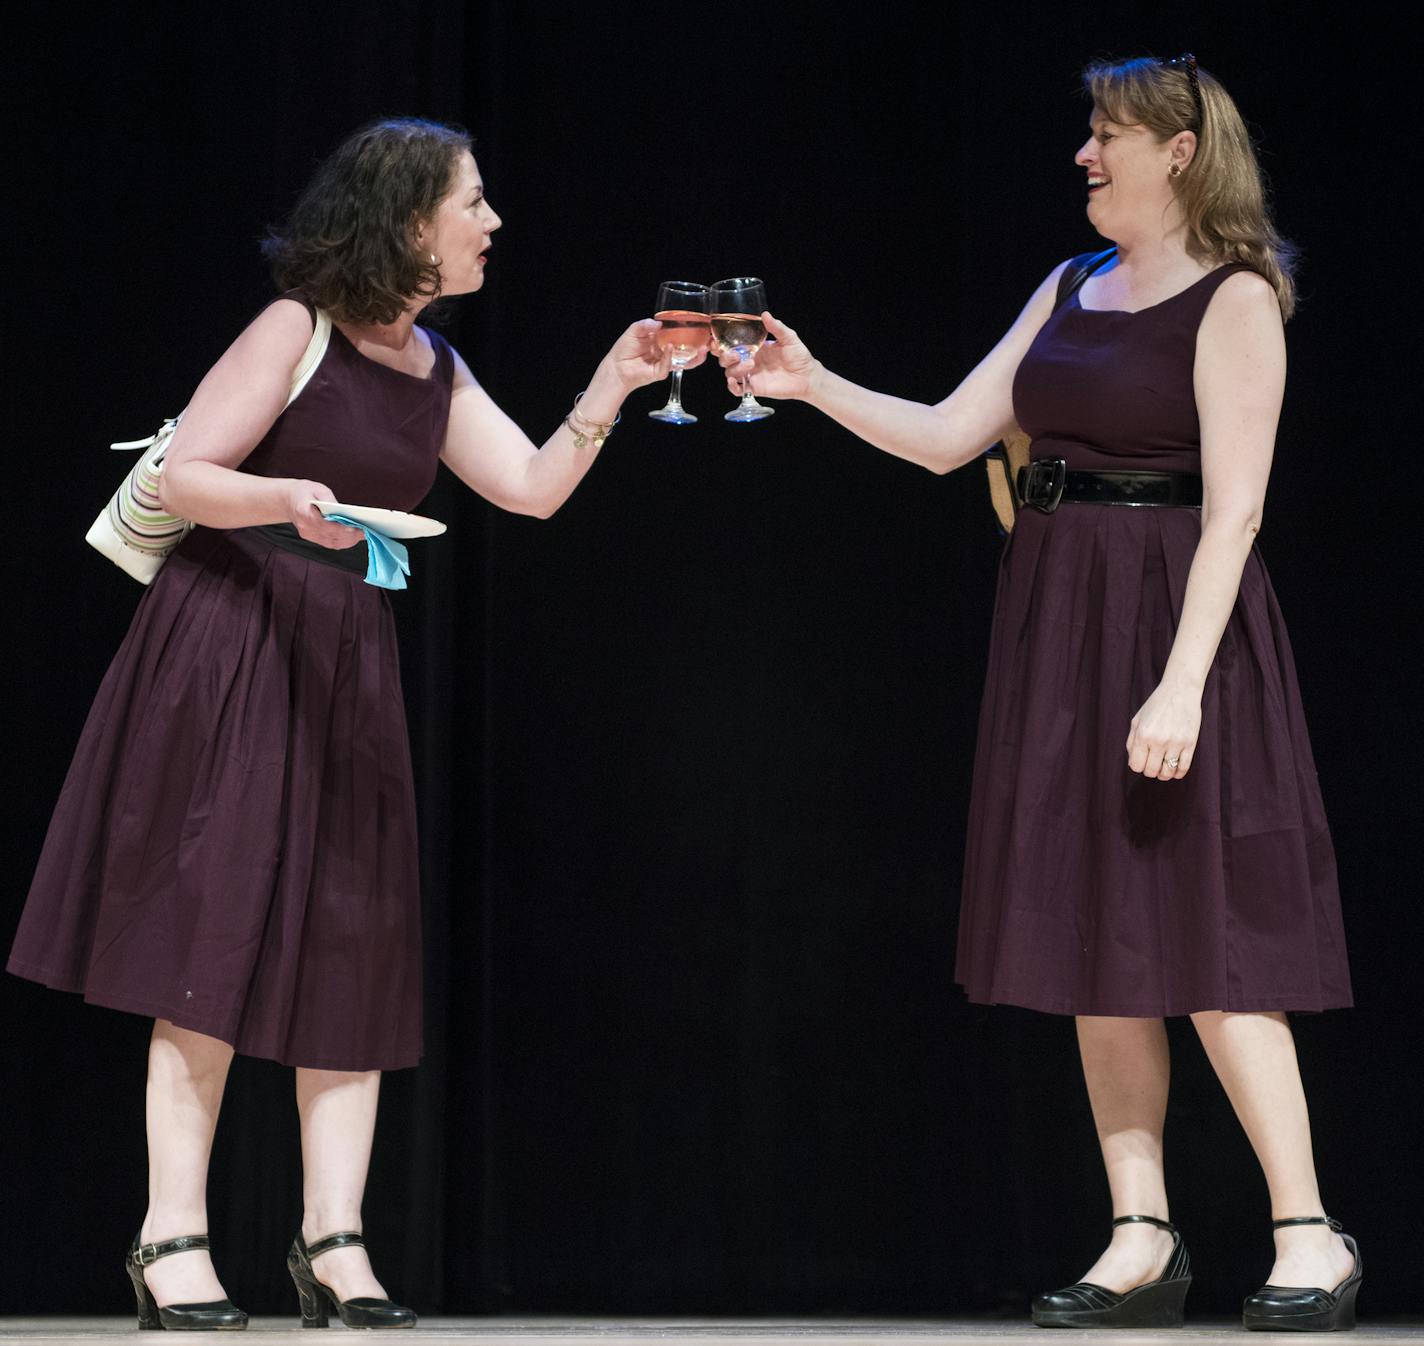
(1221, 193)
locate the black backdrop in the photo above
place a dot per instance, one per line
(693, 755)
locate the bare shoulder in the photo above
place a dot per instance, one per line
(1241, 345)
(1054, 278)
(1242, 326)
(279, 333)
(1244, 295)
(1040, 304)
(463, 377)
(283, 315)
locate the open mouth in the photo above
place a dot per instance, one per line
(1094, 182)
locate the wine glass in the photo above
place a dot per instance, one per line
(737, 306)
(682, 310)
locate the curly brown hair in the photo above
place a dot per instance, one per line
(349, 243)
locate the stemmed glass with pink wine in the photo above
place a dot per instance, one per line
(683, 311)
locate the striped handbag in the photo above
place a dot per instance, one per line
(133, 530)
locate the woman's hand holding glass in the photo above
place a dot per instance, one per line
(783, 368)
(638, 358)
(737, 328)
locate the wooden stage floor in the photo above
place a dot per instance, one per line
(517, 1331)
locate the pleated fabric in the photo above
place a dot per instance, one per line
(234, 848)
(1087, 888)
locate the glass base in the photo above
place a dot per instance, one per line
(750, 410)
(671, 415)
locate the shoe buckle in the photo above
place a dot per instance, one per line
(146, 1254)
(1041, 483)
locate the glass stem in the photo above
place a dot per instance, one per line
(675, 392)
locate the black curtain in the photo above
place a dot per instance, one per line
(693, 755)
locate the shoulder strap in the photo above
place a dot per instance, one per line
(311, 357)
(1078, 270)
(1003, 460)
(444, 370)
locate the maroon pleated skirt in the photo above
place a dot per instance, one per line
(234, 848)
(1091, 890)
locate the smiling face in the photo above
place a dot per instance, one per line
(1130, 176)
(459, 232)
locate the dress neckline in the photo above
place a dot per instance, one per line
(1133, 312)
(401, 373)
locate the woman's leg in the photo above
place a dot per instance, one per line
(1127, 1067)
(1254, 1058)
(186, 1075)
(338, 1112)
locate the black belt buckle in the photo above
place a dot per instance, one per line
(1041, 483)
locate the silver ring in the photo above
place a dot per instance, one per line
(1171, 762)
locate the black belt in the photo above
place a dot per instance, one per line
(285, 537)
(1046, 482)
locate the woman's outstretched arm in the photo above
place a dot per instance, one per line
(940, 437)
(494, 457)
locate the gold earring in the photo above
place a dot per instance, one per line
(1175, 171)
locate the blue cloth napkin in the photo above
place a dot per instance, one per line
(387, 561)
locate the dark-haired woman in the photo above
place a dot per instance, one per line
(234, 850)
(1146, 836)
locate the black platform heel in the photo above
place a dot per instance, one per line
(1156, 1304)
(1284, 1308)
(318, 1300)
(218, 1314)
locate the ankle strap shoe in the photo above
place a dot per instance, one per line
(1158, 1303)
(218, 1314)
(1287, 1308)
(318, 1300)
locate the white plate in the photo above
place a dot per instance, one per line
(391, 522)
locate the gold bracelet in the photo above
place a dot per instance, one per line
(584, 430)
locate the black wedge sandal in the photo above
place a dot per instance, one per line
(1156, 1304)
(218, 1314)
(1284, 1308)
(318, 1299)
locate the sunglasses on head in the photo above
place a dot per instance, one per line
(1188, 62)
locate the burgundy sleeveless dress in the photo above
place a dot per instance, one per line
(234, 848)
(1087, 888)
